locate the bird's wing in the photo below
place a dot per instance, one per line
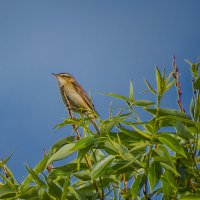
(64, 97)
(84, 95)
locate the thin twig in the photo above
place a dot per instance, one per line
(179, 101)
(125, 183)
(178, 84)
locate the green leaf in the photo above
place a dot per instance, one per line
(166, 189)
(131, 95)
(108, 147)
(68, 121)
(9, 182)
(101, 166)
(39, 168)
(169, 85)
(4, 161)
(191, 196)
(154, 174)
(169, 185)
(54, 189)
(168, 112)
(123, 169)
(108, 124)
(9, 196)
(172, 143)
(66, 170)
(138, 147)
(170, 179)
(83, 175)
(196, 84)
(141, 133)
(197, 108)
(169, 168)
(81, 154)
(143, 103)
(159, 81)
(118, 96)
(135, 134)
(6, 191)
(65, 190)
(137, 185)
(188, 62)
(192, 108)
(193, 68)
(75, 193)
(62, 153)
(88, 190)
(182, 131)
(57, 145)
(87, 141)
(35, 177)
(150, 88)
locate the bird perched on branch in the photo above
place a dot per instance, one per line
(75, 98)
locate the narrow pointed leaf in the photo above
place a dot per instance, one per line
(131, 94)
(83, 175)
(172, 143)
(141, 133)
(188, 62)
(54, 190)
(75, 193)
(36, 178)
(117, 96)
(109, 124)
(60, 143)
(165, 112)
(169, 85)
(196, 84)
(101, 166)
(183, 131)
(192, 107)
(137, 185)
(86, 142)
(197, 108)
(137, 133)
(62, 153)
(154, 174)
(39, 168)
(150, 87)
(8, 182)
(143, 103)
(191, 196)
(65, 190)
(66, 170)
(158, 81)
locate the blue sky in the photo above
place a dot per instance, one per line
(103, 44)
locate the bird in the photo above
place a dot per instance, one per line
(75, 98)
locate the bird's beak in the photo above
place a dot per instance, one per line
(54, 74)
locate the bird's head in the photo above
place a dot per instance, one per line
(63, 78)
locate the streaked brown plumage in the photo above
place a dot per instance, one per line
(72, 92)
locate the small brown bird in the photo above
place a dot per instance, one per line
(72, 93)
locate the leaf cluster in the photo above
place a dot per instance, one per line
(130, 159)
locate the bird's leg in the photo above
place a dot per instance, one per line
(93, 120)
(72, 117)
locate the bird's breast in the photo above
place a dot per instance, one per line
(76, 101)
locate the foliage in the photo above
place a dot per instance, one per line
(130, 159)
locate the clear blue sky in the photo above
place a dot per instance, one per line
(103, 44)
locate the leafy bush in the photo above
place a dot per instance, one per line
(130, 159)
